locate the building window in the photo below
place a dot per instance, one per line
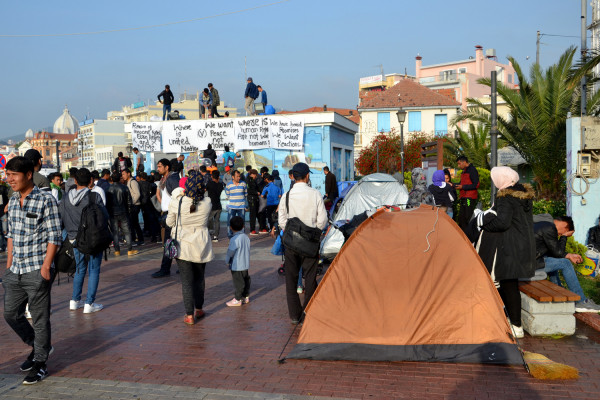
(414, 121)
(509, 78)
(383, 122)
(441, 125)
(47, 152)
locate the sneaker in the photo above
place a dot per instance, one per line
(234, 303)
(300, 289)
(27, 314)
(253, 233)
(29, 363)
(519, 332)
(215, 239)
(160, 274)
(74, 305)
(117, 253)
(38, 372)
(246, 300)
(92, 308)
(132, 252)
(189, 320)
(264, 231)
(199, 314)
(587, 305)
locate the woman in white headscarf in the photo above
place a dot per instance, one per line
(507, 244)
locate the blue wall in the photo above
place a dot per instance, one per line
(584, 216)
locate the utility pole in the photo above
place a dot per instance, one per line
(494, 131)
(537, 49)
(57, 156)
(583, 55)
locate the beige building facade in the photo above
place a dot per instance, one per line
(95, 135)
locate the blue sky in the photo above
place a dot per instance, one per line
(303, 52)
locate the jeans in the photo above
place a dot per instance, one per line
(269, 210)
(192, 285)
(553, 265)
(249, 105)
(122, 220)
(33, 289)
(214, 223)
(92, 265)
(134, 223)
(232, 213)
(300, 277)
(166, 109)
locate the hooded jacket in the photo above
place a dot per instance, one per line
(547, 242)
(513, 219)
(71, 207)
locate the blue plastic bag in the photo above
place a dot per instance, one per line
(278, 249)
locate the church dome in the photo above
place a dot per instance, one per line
(29, 134)
(66, 123)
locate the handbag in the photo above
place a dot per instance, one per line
(64, 261)
(172, 247)
(156, 203)
(299, 237)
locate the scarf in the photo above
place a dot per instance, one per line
(194, 186)
(504, 177)
(163, 181)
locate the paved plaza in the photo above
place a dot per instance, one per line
(139, 348)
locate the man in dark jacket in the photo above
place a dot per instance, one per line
(210, 154)
(250, 95)
(118, 203)
(469, 183)
(331, 187)
(253, 202)
(103, 182)
(148, 210)
(121, 163)
(167, 100)
(214, 188)
(594, 237)
(551, 236)
(216, 101)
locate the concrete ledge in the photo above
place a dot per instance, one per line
(548, 324)
(533, 306)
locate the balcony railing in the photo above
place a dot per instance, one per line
(439, 79)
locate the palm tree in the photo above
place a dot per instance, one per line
(474, 144)
(536, 123)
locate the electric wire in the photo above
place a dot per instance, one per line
(143, 27)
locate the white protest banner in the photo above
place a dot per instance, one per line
(217, 132)
(251, 133)
(180, 137)
(146, 135)
(287, 133)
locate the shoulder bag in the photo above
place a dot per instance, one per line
(172, 247)
(299, 237)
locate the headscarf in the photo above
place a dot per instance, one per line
(504, 177)
(194, 186)
(439, 178)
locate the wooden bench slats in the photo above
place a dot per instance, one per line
(545, 291)
(565, 292)
(535, 293)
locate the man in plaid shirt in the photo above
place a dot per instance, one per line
(34, 236)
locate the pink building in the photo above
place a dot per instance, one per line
(461, 76)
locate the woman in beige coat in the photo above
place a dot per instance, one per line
(189, 227)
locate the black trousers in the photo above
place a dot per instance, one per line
(293, 262)
(241, 283)
(151, 219)
(134, 221)
(192, 285)
(467, 206)
(509, 292)
(269, 210)
(213, 111)
(253, 208)
(165, 264)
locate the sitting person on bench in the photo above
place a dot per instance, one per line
(551, 255)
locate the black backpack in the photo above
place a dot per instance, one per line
(94, 235)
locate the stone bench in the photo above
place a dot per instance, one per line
(547, 309)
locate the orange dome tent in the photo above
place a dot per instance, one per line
(407, 286)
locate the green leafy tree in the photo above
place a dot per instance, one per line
(474, 144)
(536, 122)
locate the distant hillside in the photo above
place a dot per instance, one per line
(14, 138)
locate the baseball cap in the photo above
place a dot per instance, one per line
(33, 155)
(301, 169)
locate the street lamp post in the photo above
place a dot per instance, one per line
(401, 114)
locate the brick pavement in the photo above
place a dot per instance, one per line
(140, 338)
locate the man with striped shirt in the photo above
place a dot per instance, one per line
(236, 192)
